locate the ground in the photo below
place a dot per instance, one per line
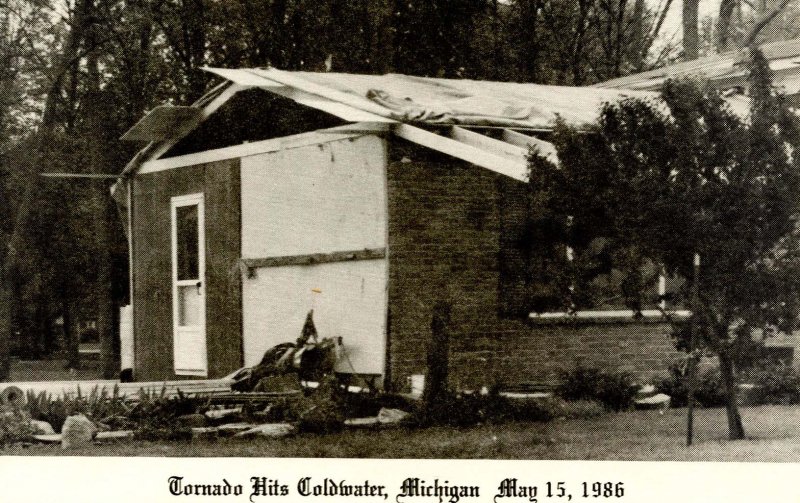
(626, 436)
(54, 370)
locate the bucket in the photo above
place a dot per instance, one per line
(417, 384)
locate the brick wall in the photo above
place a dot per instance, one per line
(447, 220)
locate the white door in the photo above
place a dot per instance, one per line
(188, 285)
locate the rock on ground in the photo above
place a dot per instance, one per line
(42, 428)
(77, 431)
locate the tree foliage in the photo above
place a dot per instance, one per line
(661, 181)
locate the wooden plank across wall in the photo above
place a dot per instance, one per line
(251, 264)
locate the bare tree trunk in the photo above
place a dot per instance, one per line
(647, 44)
(5, 328)
(44, 332)
(101, 196)
(735, 427)
(105, 308)
(726, 8)
(691, 36)
(71, 334)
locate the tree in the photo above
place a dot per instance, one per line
(660, 186)
(691, 36)
(741, 24)
(573, 42)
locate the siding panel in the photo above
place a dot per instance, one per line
(152, 267)
(322, 198)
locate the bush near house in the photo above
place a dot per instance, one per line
(709, 391)
(469, 409)
(615, 391)
(776, 384)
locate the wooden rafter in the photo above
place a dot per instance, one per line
(504, 149)
(489, 160)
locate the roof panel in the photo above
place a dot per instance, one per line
(164, 122)
(443, 101)
(723, 69)
(243, 77)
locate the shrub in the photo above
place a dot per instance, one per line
(497, 408)
(778, 384)
(614, 391)
(469, 409)
(323, 411)
(581, 409)
(709, 391)
(15, 425)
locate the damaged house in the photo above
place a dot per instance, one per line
(367, 199)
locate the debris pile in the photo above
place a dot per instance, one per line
(293, 389)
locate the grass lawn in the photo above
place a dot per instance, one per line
(54, 370)
(773, 435)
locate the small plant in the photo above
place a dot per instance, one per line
(156, 416)
(614, 391)
(15, 425)
(462, 410)
(99, 406)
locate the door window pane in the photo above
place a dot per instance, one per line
(188, 245)
(188, 306)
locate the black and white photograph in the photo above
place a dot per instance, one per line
(463, 250)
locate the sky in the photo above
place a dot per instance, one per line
(672, 24)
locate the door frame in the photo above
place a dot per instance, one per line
(195, 199)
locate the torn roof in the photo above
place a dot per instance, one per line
(424, 100)
(162, 122)
(405, 102)
(723, 71)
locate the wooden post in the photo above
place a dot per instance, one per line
(692, 360)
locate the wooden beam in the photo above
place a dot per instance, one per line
(251, 264)
(360, 128)
(81, 175)
(489, 144)
(245, 150)
(547, 149)
(517, 170)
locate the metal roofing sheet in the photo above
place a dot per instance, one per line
(722, 69)
(448, 101)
